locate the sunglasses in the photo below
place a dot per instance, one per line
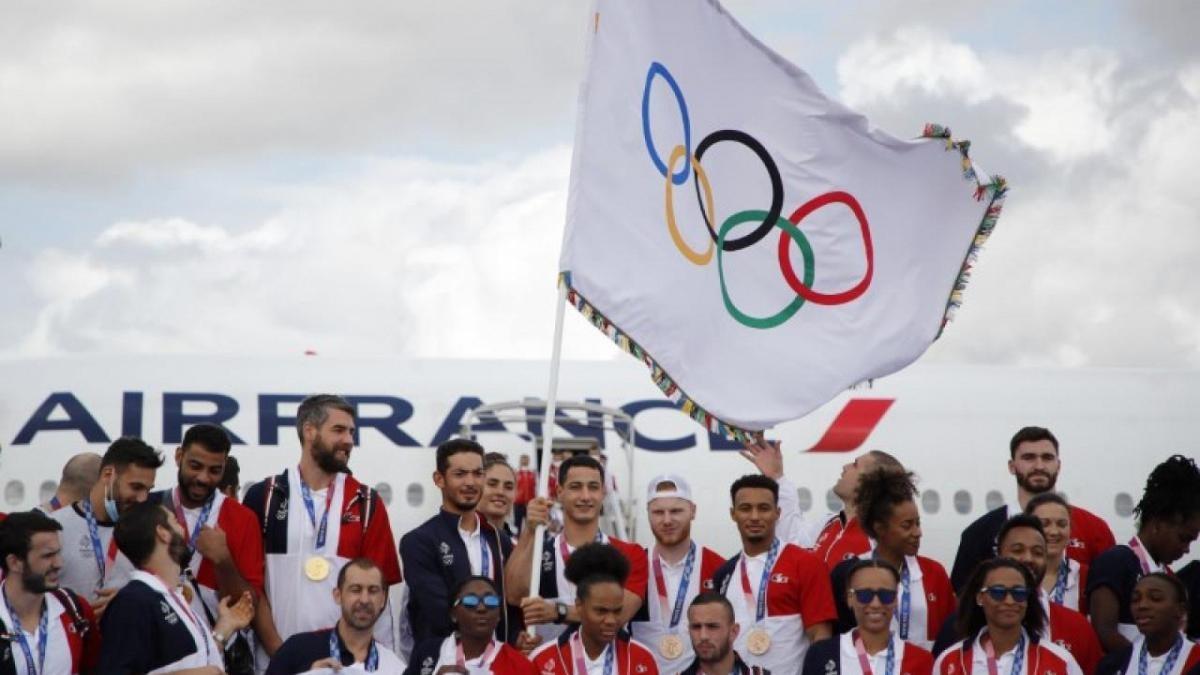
(471, 601)
(864, 596)
(997, 593)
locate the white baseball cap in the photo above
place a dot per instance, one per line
(673, 485)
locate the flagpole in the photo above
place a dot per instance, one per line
(535, 577)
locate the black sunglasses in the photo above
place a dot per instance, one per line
(997, 593)
(471, 601)
(864, 596)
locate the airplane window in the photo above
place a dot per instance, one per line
(931, 500)
(1123, 504)
(804, 495)
(833, 501)
(415, 494)
(47, 490)
(14, 492)
(385, 493)
(962, 502)
(993, 500)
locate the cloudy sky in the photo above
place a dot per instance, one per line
(389, 178)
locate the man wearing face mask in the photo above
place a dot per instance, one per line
(92, 565)
(225, 556)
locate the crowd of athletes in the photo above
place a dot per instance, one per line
(303, 573)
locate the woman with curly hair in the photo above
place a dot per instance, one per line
(886, 505)
(1168, 521)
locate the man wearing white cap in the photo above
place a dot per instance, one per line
(680, 570)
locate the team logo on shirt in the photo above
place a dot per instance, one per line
(548, 669)
(427, 666)
(707, 585)
(641, 668)
(169, 614)
(1075, 543)
(547, 561)
(281, 513)
(447, 556)
(85, 545)
(932, 597)
(778, 578)
(830, 666)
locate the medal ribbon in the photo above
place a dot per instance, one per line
(306, 493)
(335, 652)
(865, 662)
(1018, 658)
(1168, 665)
(485, 554)
(43, 635)
(759, 607)
(55, 503)
(1060, 581)
(905, 601)
(102, 561)
(1142, 555)
(578, 653)
(205, 511)
(660, 584)
(485, 659)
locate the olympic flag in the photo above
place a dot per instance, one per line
(759, 246)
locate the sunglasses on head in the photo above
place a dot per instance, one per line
(997, 593)
(471, 601)
(864, 596)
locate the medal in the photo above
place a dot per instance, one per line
(670, 646)
(187, 592)
(758, 641)
(316, 568)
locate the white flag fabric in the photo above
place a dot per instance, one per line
(758, 245)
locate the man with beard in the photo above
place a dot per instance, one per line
(148, 626)
(92, 565)
(1034, 461)
(79, 474)
(53, 630)
(453, 545)
(314, 519)
(581, 492)
(360, 597)
(681, 570)
(224, 546)
(713, 630)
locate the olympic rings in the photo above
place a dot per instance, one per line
(809, 269)
(701, 179)
(804, 289)
(659, 69)
(768, 219)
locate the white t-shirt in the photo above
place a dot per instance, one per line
(81, 571)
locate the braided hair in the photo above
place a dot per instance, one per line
(880, 491)
(1172, 492)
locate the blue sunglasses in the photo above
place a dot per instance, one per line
(997, 593)
(864, 596)
(471, 601)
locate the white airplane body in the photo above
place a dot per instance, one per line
(949, 424)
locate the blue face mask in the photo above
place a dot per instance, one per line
(110, 504)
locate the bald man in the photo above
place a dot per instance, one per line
(78, 475)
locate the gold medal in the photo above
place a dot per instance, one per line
(316, 568)
(187, 592)
(670, 646)
(758, 641)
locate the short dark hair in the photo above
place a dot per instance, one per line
(16, 533)
(458, 588)
(1181, 594)
(869, 564)
(582, 461)
(232, 474)
(453, 447)
(362, 564)
(136, 531)
(595, 563)
(754, 480)
(1172, 492)
(1029, 435)
(714, 598)
(314, 410)
(128, 450)
(970, 615)
(879, 492)
(1046, 498)
(1017, 522)
(212, 437)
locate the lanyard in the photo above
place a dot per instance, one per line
(581, 664)
(102, 561)
(485, 659)
(865, 662)
(43, 636)
(760, 607)
(566, 552)
(1141, 553)
(55, 503)
(1060, 581)
(205, 511)
(905, 601)
(1168, 665)
(660, 584)
(335, 651)
(485, 554)
(1018, 658)
(201, 629)
(312, 513)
